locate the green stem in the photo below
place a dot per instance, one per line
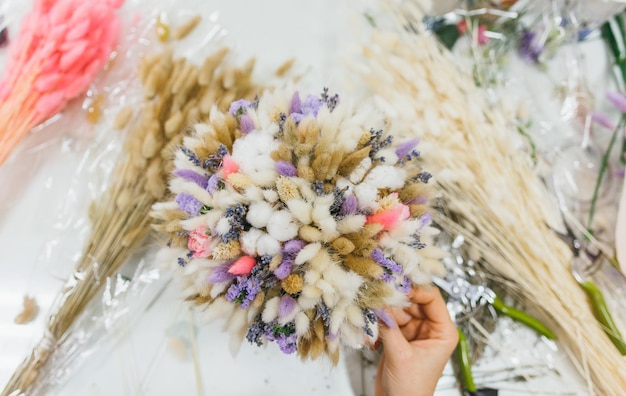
(523, 317)
(601, 172)
(462, 350)
(603, 315)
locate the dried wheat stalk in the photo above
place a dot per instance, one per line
(498, 201)
(177, 93)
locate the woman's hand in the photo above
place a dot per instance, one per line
(417, 349)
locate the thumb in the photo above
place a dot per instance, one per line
(394, 341)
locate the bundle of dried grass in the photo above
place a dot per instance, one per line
(177, 93)
(489, 189)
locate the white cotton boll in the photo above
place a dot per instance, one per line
(312, 276)
(386, 176)
(270, 310)
(302, 324)
(366, 196)
(249, 240)
(270, 196)
(307, 253)
(223, 226)
(259, 214)
(254, 193)
(281, 226)
(342, 183)
(301, 210)
(389, 154)
(267, 246)
(359, 172)
(351, 224)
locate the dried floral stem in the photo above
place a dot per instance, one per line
(498, 203)
(603, 167)
(120, 219)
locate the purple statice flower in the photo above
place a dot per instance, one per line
(385, 317)
(285, 336)
(189, 175)
(390, 266)
(285, 267)
(213, 184)
(239, 107)
(350, 206)
(603, 119)
(310, 107)
(244, 290)
(220, 274)
(285, 168)
(287, 344)
(246, 124)
(286, 305)
(296, 105)
(529, 48)
(405, 148)
(188, 203)
(293, 246)
(618, 100)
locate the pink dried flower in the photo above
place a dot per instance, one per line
(199, 243)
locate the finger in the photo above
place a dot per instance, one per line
(393, 339)
(431, 305)
(402, 317)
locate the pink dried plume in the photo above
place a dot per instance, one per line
(61, 47)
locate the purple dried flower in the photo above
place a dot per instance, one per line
(286, 305)
(349, 206)
(405, 285)
(189, 175)
(419, 200)
(603, 119)
(405, 148)
(529, 48)
(386, 262)
(425, 219)
(220, 274)
(286, 168)
(293, 246)
(284, 269)
(239, 107)
(213, 184)
(246, 124)
(287, 344)
(187, 203)
(243, 291)
(311, 106)
(385, 317)
(296, 106)
(618, 100)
